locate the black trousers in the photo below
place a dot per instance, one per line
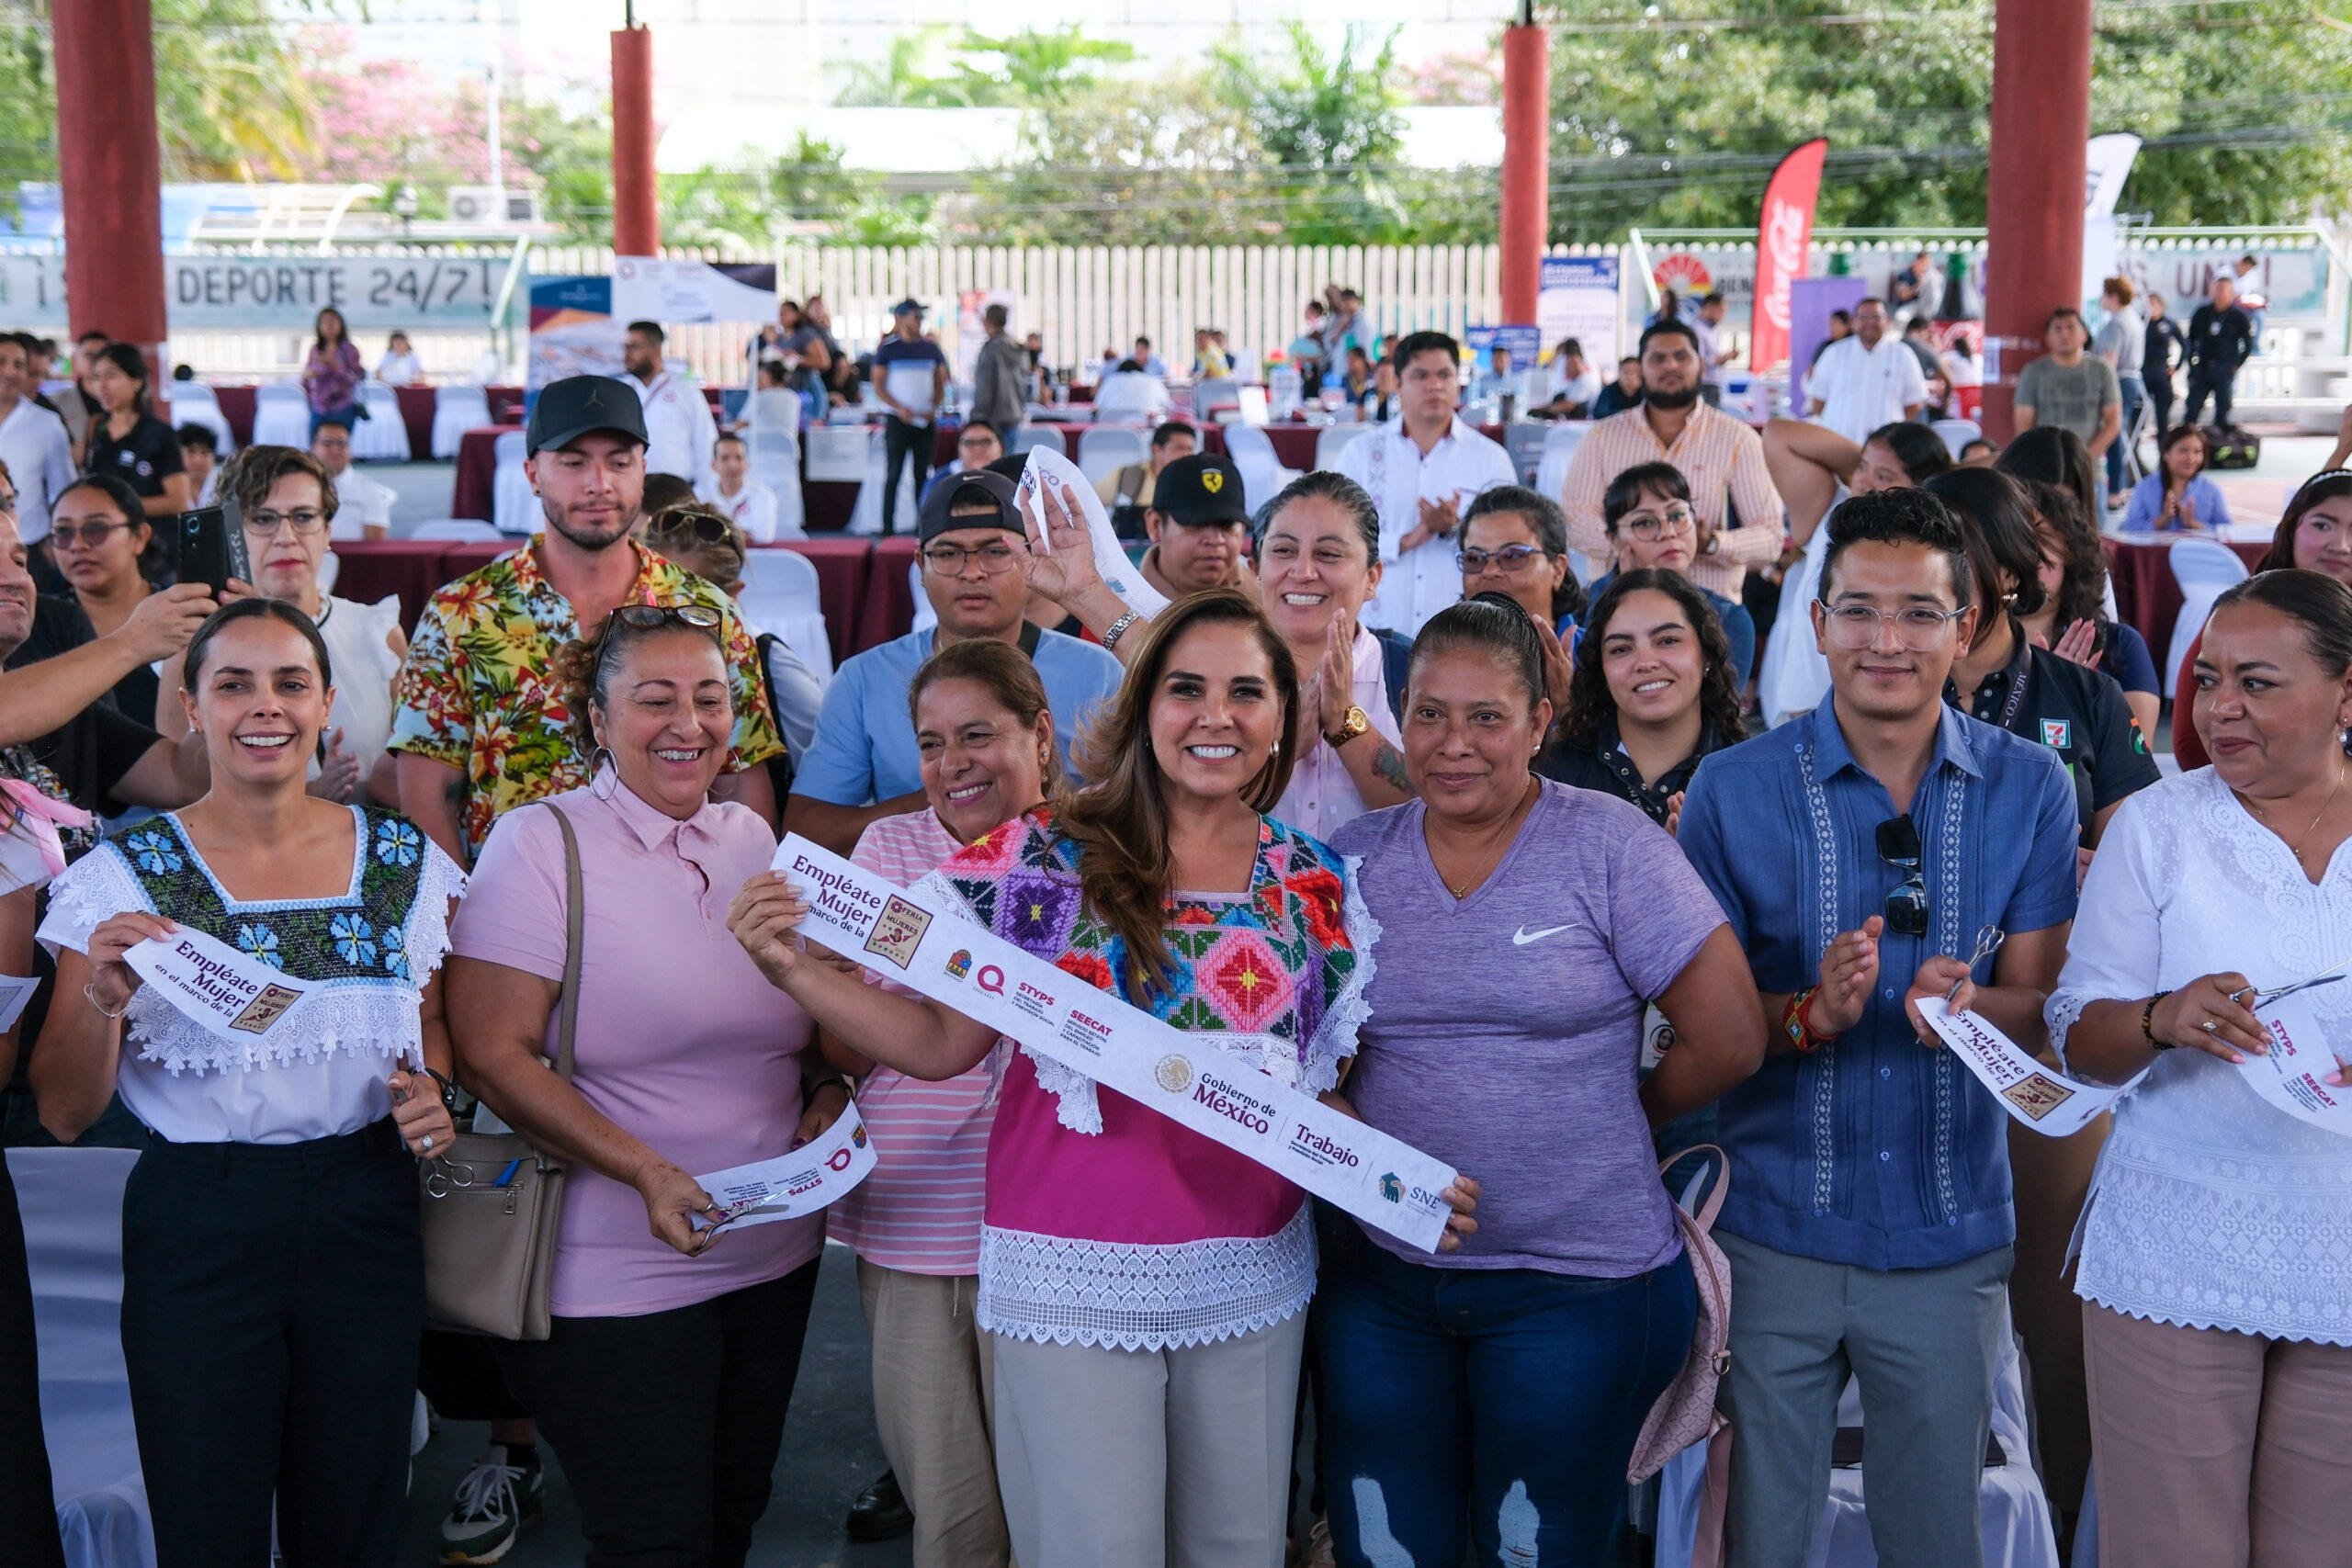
(28, 1515)
(272, 1297)
(667, 1424)
(901, 443)
(2160, 401)
(2220, 381)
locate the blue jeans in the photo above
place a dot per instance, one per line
(1496, 1404)
(348, 416)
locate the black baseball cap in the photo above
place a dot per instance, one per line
(1202, 488)
(573, 406)
(972, 487)
(908, 307)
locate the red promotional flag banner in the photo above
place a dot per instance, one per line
(1782, 235)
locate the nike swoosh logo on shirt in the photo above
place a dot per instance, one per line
(1523, 936)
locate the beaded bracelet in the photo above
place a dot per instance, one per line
(2147, 1016)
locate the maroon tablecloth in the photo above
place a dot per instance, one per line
(471, 494)
(863, 589)
(417, 404)
(237, 408)
(2147, 599)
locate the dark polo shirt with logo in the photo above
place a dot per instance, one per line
(2077, 712)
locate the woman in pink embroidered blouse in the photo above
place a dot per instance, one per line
(1144, 1284)
(331, 375)
(986, 743)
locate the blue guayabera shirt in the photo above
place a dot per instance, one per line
(1874, 1150)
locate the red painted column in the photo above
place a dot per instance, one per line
(110, 170)
(1527, 132)
(2042, 126)
(637, 214)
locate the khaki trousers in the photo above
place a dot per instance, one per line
(2217, 1449)
(1149, 1459)
(933, 1400)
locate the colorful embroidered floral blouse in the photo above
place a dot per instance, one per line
(373, 946)
(479, 690)
(1107, 1224)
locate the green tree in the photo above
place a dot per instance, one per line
(1039, 68)
(911, 77)
(1329, 123)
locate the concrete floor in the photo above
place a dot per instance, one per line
(830, 1452)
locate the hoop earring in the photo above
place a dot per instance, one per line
(596, 762)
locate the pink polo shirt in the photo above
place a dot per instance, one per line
(681, 1041)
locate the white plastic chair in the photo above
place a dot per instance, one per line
(193, 402)
(1107, 449)
(457, 410)
(281, 416)
(2203, 569)
(330, 568)
(924, 615)
(382, 436)
(1209, 396)
(457, 530)
(1032, 436)
(1560, 444)
(1525, 442)
(514, 508)
(781, 595)
(1958, 434)
(1333, 439)
(775, 463)
(1263, 474)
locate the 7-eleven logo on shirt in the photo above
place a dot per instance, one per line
(2057, 732)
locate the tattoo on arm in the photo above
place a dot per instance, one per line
(1390, 766)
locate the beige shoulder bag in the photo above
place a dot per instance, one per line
(492, 1207)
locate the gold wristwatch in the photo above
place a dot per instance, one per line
(1355, 724)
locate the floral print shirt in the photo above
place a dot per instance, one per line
(478, 692)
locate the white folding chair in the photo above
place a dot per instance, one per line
(1958, 434)
(1525, 441)
(1333, 439)
(382, 436)
(457, 530)
(193, 402)
(2203, 569)
(1263, 474)
(1108, 448)
(1560, 444)
(457, 410)
(1210, 396)
(924, 615)
(514, 508)
(330, 568)
(1033, 436)
(281, 416)
(781, 595)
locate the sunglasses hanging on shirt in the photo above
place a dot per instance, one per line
(1906, 908)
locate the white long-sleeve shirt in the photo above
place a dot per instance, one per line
(1463, 465)
(39, 455)
(1861, 388)
(679, 428)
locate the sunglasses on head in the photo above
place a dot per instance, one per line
(701, 526)
(1906, 908)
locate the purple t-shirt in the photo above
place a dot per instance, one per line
(1506, 1029)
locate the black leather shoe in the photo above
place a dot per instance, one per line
(880, 1512)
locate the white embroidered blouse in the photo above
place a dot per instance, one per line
(2210, 1207)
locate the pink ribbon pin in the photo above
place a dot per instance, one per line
(40, 817)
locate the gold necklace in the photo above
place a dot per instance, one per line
(1494, 850)
(2295, 845)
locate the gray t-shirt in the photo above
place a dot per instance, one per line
(2125, 336)
(1505, 1029)
(2069, 396)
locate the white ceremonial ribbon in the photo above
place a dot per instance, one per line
(234, 994)
(931, 949)
(818, 1173)
(1119, 574)
(2039, 1098)
(2292, 1076)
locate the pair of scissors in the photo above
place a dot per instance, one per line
(1988, 942)
(2251, 997)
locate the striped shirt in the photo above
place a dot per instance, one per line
(920, 1211)
(1721, 457)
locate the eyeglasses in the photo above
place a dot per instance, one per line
(86, 535)
(1511, 560)
(307, 521)
(948, 560)
(1916, 627)
(1906, 906)
(1674, 520)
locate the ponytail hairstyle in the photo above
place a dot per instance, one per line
(1119, 822)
